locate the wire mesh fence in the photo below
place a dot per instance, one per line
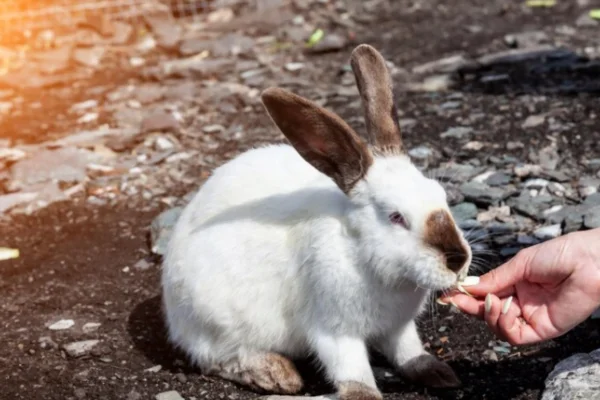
(20, 19)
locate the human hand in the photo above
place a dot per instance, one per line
(542, 293)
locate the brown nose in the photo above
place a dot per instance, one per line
(441, 233)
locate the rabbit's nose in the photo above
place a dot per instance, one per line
(441, 233)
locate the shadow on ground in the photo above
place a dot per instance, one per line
(489, 380)
(544, 71)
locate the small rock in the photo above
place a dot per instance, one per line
(90, 327)
(586, 21)
(494, 213)
(490, 355)
(480, 193)
(79, 349)
(47, 342)
(330, 42)
(213, 128)
(170, 395)
(526, 39)
(591, 219)
(536, 184)
(12, 200)
(577, 377)
(62, 325)
(457, 132)
(526, 170)
(133, 395)
(592, 200)
(155, 368)
(142, 265)
(89, 57)
(294, 66)
(464, 211)
(533, 121)
(455, 172)
(548, 158)
(443, 65)
(80, 393)
(160, 121)
(163, 144)
(420, 153)
(498, 179)
(548, 232)
(161, 228)
(166, 31)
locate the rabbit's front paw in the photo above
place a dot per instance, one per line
(357, 391)
(429, 371)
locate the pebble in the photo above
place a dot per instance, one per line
(480, 193)
(533, 121)
(490, 355)
(155, 368)
(498, 179)
(457, 132)
(79, 349)
(213, 128)
(142, 265)
(577, 377)
(591, 219)
(170, 395)
(464, 211)
(90, 327)
(548, 232)
(62, 325)
(420, 153)
(159, 121)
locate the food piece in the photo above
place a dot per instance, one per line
(469, 281)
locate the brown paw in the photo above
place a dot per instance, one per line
(276, 374)
(357, 391)
(267, 372)
(429, 371)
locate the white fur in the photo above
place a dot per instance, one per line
(271, 256)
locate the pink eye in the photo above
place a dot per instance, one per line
(397, 218)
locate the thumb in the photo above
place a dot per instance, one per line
(501, 280)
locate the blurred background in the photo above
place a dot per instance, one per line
(113, 113)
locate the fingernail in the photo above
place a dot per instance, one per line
(506, 305)
(441, 302)
(488, 303)
(470, 281)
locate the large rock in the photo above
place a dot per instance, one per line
(577, 377)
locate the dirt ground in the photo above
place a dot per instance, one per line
(77, 259)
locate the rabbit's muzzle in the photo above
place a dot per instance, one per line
(441, 233)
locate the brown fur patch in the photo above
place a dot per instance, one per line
(321, 137)
(441, 233)
(375, 87)
(351, 390)
(268, 372)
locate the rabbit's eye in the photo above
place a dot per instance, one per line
(397, 218)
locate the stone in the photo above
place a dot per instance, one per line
(498, 179)
(161, 229)
(166, 31)
(533, 121)
(548, 158)
(464, 211)
(159, 122)
(331, 42)
(443, 65)
(525, 205)
(81, 348)
(9, 201)
(586, 21)
(591, 219)
(548, 232)
(142, 265)
(490, 355)
(457, 173)
(494, 213)
(420, 152)
(592, 200)
(90, 327)
(170, 395)
(61, 165)
(527, 170)
(89, 56)
(577, 377)
(536, 183)
(196, 67)
(62, 325)
(480, 193)
(526, 39)
(457, 132)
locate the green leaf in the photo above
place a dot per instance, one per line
(315, 38)
(595, 14)
(541, 3)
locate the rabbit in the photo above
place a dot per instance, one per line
(327, 246)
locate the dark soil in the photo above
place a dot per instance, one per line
(77, 261)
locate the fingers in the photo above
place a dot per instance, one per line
(502, 279)
(466, 304)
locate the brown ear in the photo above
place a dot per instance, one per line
(375, 87)
(322, 138)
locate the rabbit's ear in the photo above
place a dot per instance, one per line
(375, 87)
(321, 137)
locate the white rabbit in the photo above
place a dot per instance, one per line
(323, 248)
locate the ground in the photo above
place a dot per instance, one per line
(77, 259)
